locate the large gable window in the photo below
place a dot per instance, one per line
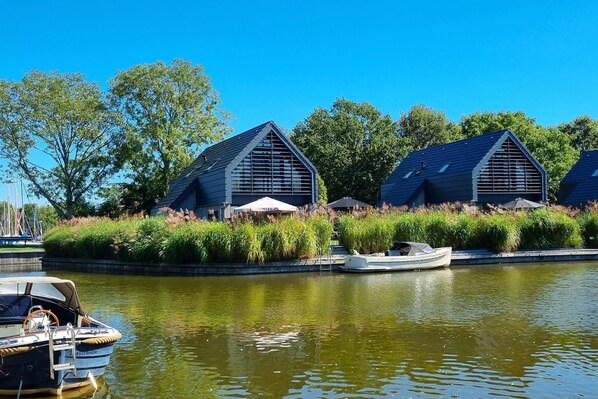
(509, 170)
(271, 167)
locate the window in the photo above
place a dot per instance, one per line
(408, 174)
(595, 173)
(444, 168)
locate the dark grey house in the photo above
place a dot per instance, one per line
(492, 168)
(580, 185)
(257, 163)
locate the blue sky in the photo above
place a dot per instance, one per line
(277, 60)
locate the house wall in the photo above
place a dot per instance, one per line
(449, 188)
(188, 202)
(212, 189)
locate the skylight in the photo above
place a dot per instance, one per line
(595, 173)
(444, 168)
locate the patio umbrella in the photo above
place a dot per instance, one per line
(347, 202)
(267, 204)
(521, 203)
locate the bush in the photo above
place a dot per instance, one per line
(184, 244)
(323, 229)
(545, 229)
(498, 233)
(588, 223)
(246, 245)
(411, 227)
(59, 241)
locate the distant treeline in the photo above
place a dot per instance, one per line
(70, 138)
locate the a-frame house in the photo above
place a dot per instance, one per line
(493, 168)
(259, 162)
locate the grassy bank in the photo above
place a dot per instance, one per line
(173, 239)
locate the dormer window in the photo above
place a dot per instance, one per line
(444, 167)
(595, 173)
(408, 174)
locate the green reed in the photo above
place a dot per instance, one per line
(588, 222)
(545, 229)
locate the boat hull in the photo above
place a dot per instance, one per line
(28, 369)
(441, 257)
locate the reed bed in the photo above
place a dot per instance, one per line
(498, 232)
(176, 240)
(588, 223)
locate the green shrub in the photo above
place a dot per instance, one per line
(588, 222)
(271, 242)
(366, 235)
(323, 229)
(411, 227)
(60, 241)
(545, 229)
(146, 239)
(94, 239)
(246, 245)
(349, 235)
(184, 244)
(218, 242)
(498, 233)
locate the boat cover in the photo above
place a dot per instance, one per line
(55, 289)
(410, 249)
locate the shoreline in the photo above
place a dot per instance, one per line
(326, 263)
(34, 260)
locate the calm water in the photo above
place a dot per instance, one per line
(498, 331)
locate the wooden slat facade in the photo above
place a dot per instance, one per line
(271, 168)
(509, 171)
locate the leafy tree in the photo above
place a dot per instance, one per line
(322, 191)
(550, 147)
(480, 123)
(353, 146)
(170, 112)
(57, 131)
(422, 127)
(583, 132)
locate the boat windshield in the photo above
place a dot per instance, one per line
(54, 289)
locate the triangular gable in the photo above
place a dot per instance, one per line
(580, 184)
(507, 141)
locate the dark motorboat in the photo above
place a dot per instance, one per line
(47, 342)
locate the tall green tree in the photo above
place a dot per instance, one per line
(170, 111)
(550, 147)
(57, 131)
(583, 132)
(423, 127)
(480, 123)
(353, 146)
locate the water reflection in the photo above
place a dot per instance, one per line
(515, 331)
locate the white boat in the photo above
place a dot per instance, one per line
(47, 342)
(403, 256)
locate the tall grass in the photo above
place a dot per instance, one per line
(160, 239)
(498, 233)
(545, 229)
(588, 222)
